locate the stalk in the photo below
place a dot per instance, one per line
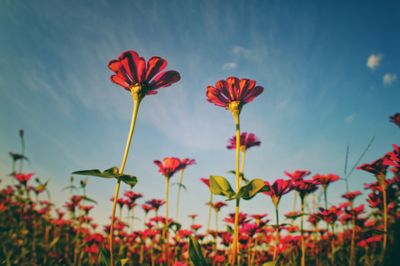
(136, 100)
(243, 161)
(277, 233)
(303, 247)
(216, 220)
(209, 211)
(178, 197)
(353, 237)
(384, 220)
(166, 205)
(235, 112)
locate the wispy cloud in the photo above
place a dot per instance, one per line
(241, 51)
(229, 66)
(374, 60)
(350, 118)
(389, 78)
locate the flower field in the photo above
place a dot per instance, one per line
(36, 232)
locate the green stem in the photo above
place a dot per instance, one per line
(243, 162)
(303, 246)
(238, 185)
(22, 152)
(353, 238)
(277, 233)
(385, 223)
(178, 197)
(165, 231)
(136, 100)
(209, 211)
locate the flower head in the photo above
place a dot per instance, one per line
(168, 166)
(186, 162)
(132, 73)
(155, 203)
(350, 196)
(325, 180)
(279, 188)
(305, 187)
(377, 167)
(395, 119)
(132, 196)
(247, 140)
(233, 93)
(297, 175)
(23, 178)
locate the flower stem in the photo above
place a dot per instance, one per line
(178, 197)
(384, 195)
(277, 233)
(165, 230)
(353, 238)
(303, 246)
(209, 212)
(238, 185)
(136, 100)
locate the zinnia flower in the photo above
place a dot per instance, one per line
(233, 93)
(131, 72)
(206, 181)
(23, 178)
(297, 175)
(168, 166)
(350, 196)
(186, 162)
(279, 188)
(395, 119)
(325, 180)
(247, 140)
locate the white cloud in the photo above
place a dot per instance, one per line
(374, 61)
(229, 66)
(241, 51)
(389, 78)
(350, 118)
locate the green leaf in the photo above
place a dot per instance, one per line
(17, 156)
(180, 185)
(104, 257)
(53, 242)
(89, 199)
(129, 180)
(112, 172)
(220, 186)
(175, 226)
(251, 189)
(195, 253)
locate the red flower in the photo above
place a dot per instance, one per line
(218, 205)
(247, 140)
(133, 196)
(325, 180)
(279, 188)
(168, 166)
(156, 203)
(186, 162)
(233, 91)
(23, 178)
(350, 196)
(131, 70)
(305, 187)
(206, 181)
(297, 175)
(395, 119)
(377, 167)
(146, 208)
(330, 215)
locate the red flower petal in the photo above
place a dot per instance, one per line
(165, 79)
(253, 94)
(154, 66)
(118, 79)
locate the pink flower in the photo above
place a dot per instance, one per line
(279, 188)
(247, 140)
(130, 71)
(297, 175)
(206, 181)
(325, 180)
(168, 166)
(23, 178)
(233, 90)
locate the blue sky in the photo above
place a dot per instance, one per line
(311, 57)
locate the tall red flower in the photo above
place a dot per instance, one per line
(279, 188)
(23, 178)
(247, 140)
(131, 71)
(168, 166)
(325, 180)
(305, 187)
(350, 196)
(186, 162)
(377, 167)
(297, 175)
(233, 91)
(395, 119)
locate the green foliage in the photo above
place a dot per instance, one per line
(112, 172)
(251, 189)
(220, 186)
(195, 253)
